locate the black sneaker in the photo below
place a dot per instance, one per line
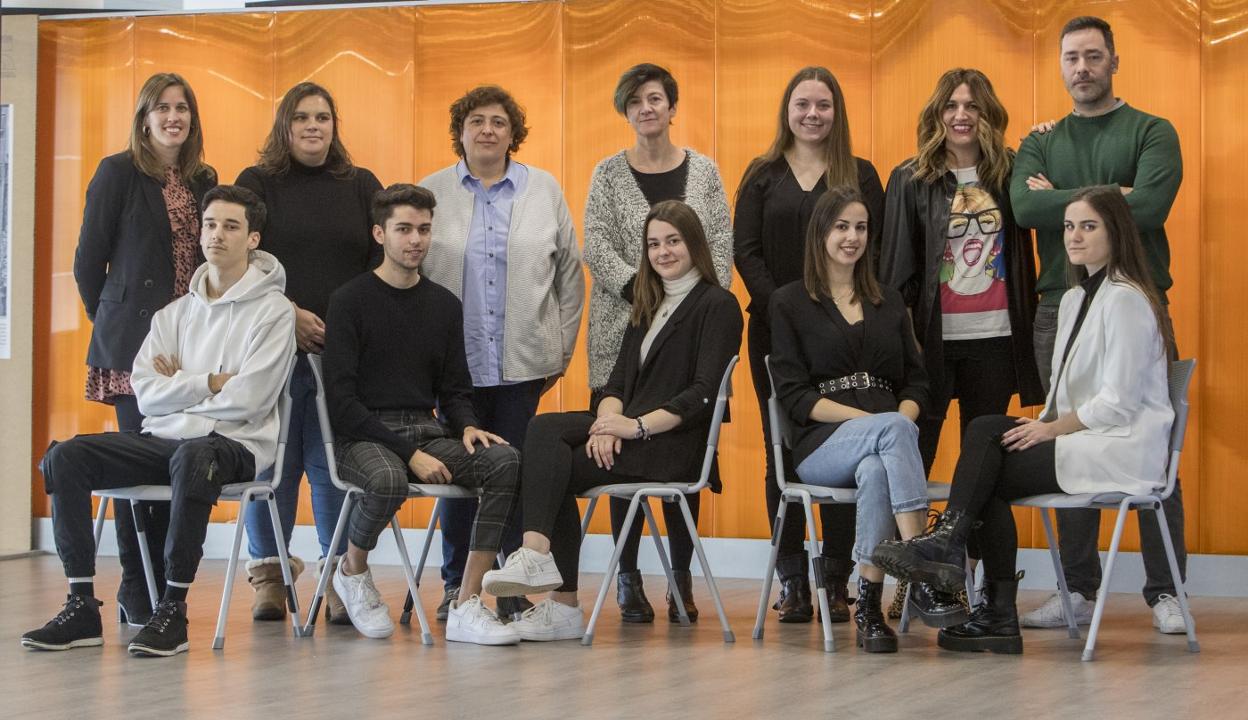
(76, 625)
(511, 608)
(165, 634)
(448, 596)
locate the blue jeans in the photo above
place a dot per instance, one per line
(305, 452)
(878, 455)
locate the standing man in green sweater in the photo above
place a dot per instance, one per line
(1103, 141)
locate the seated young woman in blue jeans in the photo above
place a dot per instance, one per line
(849, 374)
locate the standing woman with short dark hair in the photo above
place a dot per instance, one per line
(810, 154)
(137, 250)
(320, 229)
(623, 189)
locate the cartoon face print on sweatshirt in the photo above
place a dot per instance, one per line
(972, 270)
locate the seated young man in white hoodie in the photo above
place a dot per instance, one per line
(207, 379)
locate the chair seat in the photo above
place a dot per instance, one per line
(164, 493)
(430, 490)
(1100, 501)
(936, 491)
(627, 490)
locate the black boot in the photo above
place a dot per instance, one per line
(874, 634)
(993, 626)
(935, 608)
(634, 607)
(684, 583)
(836, 581)
(794, 602)
(935, 557)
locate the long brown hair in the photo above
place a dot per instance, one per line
(1126, 253)
(275, 155)
(837, 148)
(190, 155)
(648, 289)
(995, 159)
(815, 268)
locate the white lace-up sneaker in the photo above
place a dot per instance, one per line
(1050, 615)
(473, 622)
(368, 613)
(1168, 616)
(550, 620)
(526, 572)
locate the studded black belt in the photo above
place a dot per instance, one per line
(857, 381)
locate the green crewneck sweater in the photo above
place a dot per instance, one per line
(1123, 147)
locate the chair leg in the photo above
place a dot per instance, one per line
(1103, 595)
(99, 523)
(314, 607)
(589, 515)
(903, 625)
(829, 644)
(667, 565)
(288, 576)
(1072, 627)
(706, 571)
(760, 619)
(426, 637)
(140, 530)
(609, 575)
(218, 640)
(406, 617)
(1179, 588)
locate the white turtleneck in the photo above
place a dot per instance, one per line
(674, 291)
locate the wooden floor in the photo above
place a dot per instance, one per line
(635, 671)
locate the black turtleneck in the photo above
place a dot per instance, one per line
(318, 227)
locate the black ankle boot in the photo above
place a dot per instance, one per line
(874, 634)
(684, 583)
(935, 557)
(993, 626)
(935, 608)
(794, 603)
(836, 581)
(634, 607)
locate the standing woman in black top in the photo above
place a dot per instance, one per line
(811, 153)
(137, 250)
(320, 229)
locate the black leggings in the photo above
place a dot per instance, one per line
(988, 477)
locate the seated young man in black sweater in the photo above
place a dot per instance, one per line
(394, 349)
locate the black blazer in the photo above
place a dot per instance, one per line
(124, 262)
(810, 344)
(681, 375)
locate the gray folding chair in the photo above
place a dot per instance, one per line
(242, 493)
(782, 436)
(1180, 377)
(639, 494)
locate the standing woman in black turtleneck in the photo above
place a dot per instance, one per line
(319, 228)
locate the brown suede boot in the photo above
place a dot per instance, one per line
(265, 576)
(335, 610)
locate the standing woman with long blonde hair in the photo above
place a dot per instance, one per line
(137, 250)
(811, 153)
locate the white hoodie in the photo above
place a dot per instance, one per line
(250, 332)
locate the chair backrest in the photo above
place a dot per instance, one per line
(1179, 376)
(322, 416)
(783, 434)
(283, 431)
(717, 419)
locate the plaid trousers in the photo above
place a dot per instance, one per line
(384, 477)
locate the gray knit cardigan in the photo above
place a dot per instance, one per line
(614, 213)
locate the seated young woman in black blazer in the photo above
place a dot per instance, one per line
(848, 373)
(651, 424)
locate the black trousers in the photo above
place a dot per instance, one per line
(838, 520)
(988, 477)
(155, 515)
(980, 374)
(196, 469)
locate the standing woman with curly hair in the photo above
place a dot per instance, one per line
(137, 250)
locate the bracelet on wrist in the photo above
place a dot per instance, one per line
(643, 432)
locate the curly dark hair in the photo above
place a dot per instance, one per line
(481, 96)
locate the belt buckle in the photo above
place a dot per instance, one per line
(860, 380)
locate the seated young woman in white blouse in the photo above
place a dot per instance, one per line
(1105, 426)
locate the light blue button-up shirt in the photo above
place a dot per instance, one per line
(485, 270)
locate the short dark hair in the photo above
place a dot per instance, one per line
(639, 75)
(385, 201)
(1089, 22)
(239, 195)
(481, 96)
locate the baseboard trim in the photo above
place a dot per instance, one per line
(1208, 575)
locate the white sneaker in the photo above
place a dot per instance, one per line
(473, 622)
(550, 620)
(1050, 615)
(526, 572)
(1168, 616)
(368, 613)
